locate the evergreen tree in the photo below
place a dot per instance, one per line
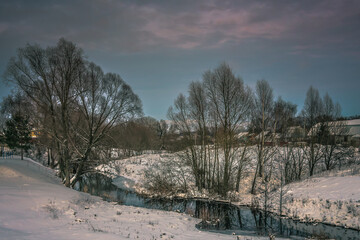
(2, 141)
(17, 133)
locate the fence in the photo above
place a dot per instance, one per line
(7, 155)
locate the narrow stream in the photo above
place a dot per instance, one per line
(216, 216)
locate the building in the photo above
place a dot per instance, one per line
(345, 132)
(295, 134)
(34, 133)
(353, 132)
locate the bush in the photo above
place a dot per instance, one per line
(53, 210)
(167, 176)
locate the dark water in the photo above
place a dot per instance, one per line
(216, 216)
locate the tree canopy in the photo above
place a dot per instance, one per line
(76, 103)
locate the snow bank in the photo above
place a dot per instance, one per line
(33, 206)
(333, 198)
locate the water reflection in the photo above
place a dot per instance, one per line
(215, 215)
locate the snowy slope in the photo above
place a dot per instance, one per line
(333, 198)
(34, 205)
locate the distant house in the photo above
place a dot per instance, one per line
(295, 134)
(243, 136)
(34, 133)
(353, 132)
(270, 138)
(344, 132)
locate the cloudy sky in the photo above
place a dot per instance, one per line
(159, 47)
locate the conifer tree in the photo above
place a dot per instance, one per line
(17, 133)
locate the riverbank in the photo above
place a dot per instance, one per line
(35, 205)
(330, 197)
(333, 199)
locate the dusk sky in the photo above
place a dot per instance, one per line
(159, 47)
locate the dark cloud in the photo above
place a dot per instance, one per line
(165, 44)
(136, 26)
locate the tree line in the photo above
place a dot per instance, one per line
(221, 117)
(79, 114)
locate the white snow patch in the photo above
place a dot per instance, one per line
(34, 206)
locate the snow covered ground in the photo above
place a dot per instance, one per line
(133, 170)
(334, 200)
(35, 205)
(331, 197)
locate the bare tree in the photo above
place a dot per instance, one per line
(313, 107)
(230, 101)
(162, 130)
(16, 103)
(331, 129)
(180, 114)
(292, 163)
(198, 104)
(312, 111)
(333, 151)
(214, 111)
(284, 115)
(77, 102)
(262, 121)
(103, 100)
(47, 77)
(243, 160)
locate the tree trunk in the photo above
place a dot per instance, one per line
(79, 172)
(67, 167)
(240, 166)
(254, 180)
(48, 157)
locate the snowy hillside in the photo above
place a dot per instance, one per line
(331, 197)
(35, 205)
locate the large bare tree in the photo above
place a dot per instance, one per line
(103, 101)
(77, 102)
(214, 111)
(48, 77)
(230, 102)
